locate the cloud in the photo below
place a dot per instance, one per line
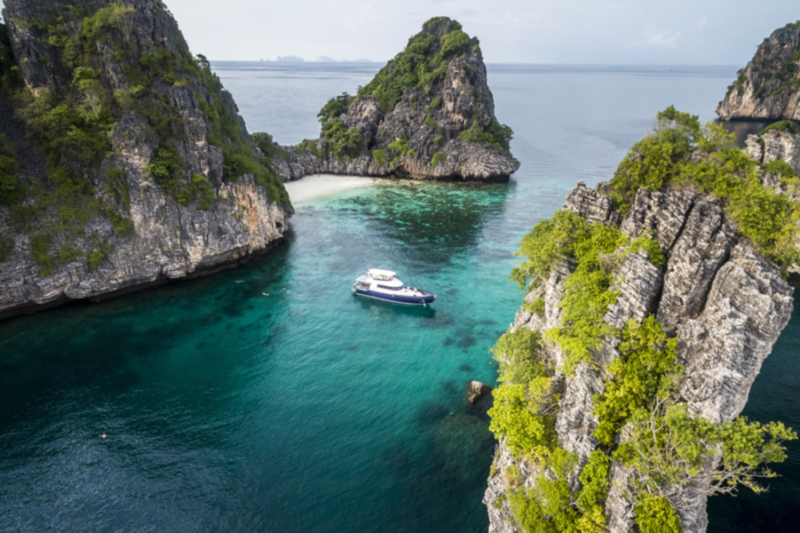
(702, 23)
(660, 38)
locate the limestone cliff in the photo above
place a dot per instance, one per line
(774, 145)
(428, 114)
(652, 303)
(124, 162)
(725, 304)
(769, 86)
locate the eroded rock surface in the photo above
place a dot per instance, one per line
(431, 118)
(768, 87)
(725, 304)
(166, 239)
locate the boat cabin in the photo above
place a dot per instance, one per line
(385, 279)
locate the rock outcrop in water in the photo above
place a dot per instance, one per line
(724, 303)
(651, 308)
(428, 114)
(124, 162)
(769, 86)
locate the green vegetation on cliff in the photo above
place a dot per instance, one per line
(422, 64)
(72, 126)
(782, 125)
(496, 134)
(666, 448)
(681, 153)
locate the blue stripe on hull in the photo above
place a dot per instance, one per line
(405, 300)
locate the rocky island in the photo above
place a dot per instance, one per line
(428, 114)
(769, 86)
(123, 162)
(651, 304)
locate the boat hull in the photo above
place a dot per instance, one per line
(425, 298)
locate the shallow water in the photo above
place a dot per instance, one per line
(307, 409)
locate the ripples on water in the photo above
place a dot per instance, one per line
(308, 410)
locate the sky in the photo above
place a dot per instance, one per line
(610, 32)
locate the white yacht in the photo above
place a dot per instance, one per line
(384, 285)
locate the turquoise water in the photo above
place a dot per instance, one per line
(268, 398)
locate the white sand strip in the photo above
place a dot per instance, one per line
(318, 185)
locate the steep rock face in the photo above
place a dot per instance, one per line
(136, 225)
(773, 145)
(725, 304)
(439, 124)
(769, 86)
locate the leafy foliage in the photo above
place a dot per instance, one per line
(667, 449)
(670, 450)
(781, 168)
(334, 107)
(340, 140)
(401, 148)
(227, 132)
(654, 253)
(548, 244)
(429, 119)
(550, 506)
(648, 369)
(72, 128)
(497, 135)
(10, 79)
(12, 191)
(516, 354)
(782, 125)
(438, 158)
(6, 248)
(654, 514)
(524, 430)
(421, 65)
(662, 159)
(380, 157)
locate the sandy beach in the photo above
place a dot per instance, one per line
(318, 185)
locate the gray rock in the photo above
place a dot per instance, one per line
(773, 96)
(700, 250)
(774, 145)
(169, 240)
(476, 391)
(463, 96)
(726, 305)
(591, 205)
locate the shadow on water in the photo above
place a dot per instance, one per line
(742, 128)
(111, 348)
(388, 310)
(454, 462)
(772, 397)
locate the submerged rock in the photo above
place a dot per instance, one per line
(461, 442)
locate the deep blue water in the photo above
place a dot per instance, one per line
(307, 410)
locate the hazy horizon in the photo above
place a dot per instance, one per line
(569, 32)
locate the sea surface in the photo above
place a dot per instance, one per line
(267, 398)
